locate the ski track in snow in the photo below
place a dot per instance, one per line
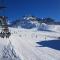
(25, 46)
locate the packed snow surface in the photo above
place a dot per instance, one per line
(30, 44)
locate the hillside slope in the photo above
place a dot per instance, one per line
(30, 44)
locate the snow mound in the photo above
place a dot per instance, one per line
(43, 27)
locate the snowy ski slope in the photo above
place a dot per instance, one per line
(27, 44)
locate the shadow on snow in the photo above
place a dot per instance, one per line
(55, 44)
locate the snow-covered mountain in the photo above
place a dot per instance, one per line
(32, 22)
(27, 22)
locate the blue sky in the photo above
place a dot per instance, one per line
(39, 8)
